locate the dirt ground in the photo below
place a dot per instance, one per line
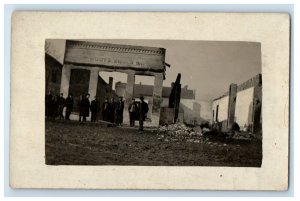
(75, 143)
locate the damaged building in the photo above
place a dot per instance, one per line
(83, 61)
(190, 110)
(242, 105)
(78, 72)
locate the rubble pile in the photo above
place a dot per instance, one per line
(180, 133)
(243, 136)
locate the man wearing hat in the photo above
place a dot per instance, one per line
(143, 112)
(69, 106)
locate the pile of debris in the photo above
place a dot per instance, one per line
(180, 133)
(243, 136)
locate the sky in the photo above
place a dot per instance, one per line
(208, 67)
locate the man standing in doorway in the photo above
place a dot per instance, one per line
(69, 106)
(142, 112)
(61, 105)
(86, 107)
(132, 109)
(94, 109)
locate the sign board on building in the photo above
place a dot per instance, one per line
(115, 56)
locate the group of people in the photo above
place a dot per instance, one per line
(112, 111)
(85, 106)
(55, 105)
(138, 110)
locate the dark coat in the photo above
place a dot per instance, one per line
(105, 106)
(112, 111)
(54, 108)
(80, 106)
(119, 106)
(86, 107)
(105, 111)
(61, 101)
(48, 99)
(95, 106)
(112, 107)
(48, 103)
(143, 110)
(69, 103)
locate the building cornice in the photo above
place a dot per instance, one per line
(115, 47)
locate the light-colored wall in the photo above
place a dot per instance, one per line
(223, 108)
(191, 112)
(188, 105)
(120, 91)
(165, 102)
(244, 107)
(189, 115)
(117, 77)
(206, 110)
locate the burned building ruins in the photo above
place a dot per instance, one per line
(79, 72)
(242, 105)
(178, 103)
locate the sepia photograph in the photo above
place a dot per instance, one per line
(149, 100)
(153, 102)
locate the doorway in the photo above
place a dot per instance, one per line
(79, 85)
(110, 85)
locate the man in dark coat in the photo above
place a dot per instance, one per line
(48, 103)
(132, 109)
(142, 112)
(119, 111)
(54, 108)
(112, 108)
(69, 106)
(86, 107)
(94, 109)
(105, 110)
(61, 105)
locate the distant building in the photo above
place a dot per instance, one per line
(241, 104)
